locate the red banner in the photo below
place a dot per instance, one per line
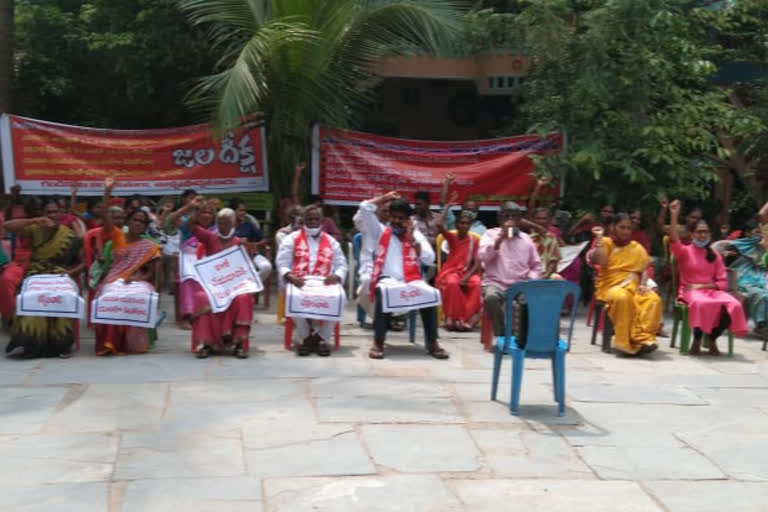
(46, 158)
(348, 167)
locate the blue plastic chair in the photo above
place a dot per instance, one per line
(545, 301)
(357, 242)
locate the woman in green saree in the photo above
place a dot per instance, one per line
(55, 250)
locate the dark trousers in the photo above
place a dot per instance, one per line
(381, 321)
(725, 322)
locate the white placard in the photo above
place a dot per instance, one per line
(315, 300)
(54, 295)
(187, 260)
(568, 253)
(398, 297)
(133, 304)
(225, 275)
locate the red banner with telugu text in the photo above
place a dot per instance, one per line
(349, 166)
(48, 158)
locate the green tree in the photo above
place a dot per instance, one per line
(631, 85)
(6, 53)
(302, 61)
(107, 63)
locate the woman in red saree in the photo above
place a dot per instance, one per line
(459, 280)
(229, 329)
(133, 258)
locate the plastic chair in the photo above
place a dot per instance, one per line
(680, 312)
(545, 300)
(288, 334)
(603, 323)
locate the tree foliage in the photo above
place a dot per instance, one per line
(631, 85)
(302, 61)
(108, 63)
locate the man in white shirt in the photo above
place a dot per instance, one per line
(368, 245)
(400, 250)
(306, 252)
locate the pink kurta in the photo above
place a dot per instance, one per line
(232, 325)
(704, 306)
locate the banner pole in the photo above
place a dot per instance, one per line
(316, 158)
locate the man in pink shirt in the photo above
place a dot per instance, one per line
(509, 256)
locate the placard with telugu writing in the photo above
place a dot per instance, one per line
(315, 300)
(133, 304)
(226, 275)
(399, 297)
(51, 295)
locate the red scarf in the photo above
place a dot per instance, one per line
(324, 261)
(411, 267)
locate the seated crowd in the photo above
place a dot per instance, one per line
(135, 241)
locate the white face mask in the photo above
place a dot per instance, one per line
(228, 235)
(313, 232)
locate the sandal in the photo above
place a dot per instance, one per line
(203, 352)
(376, 352)
(306, 347)
(241, 353)
(437, 351)
(323, 349)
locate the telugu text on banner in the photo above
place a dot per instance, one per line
(47, 158)
(226, 275)
(133, 304)
(52, 295)
(348, 166)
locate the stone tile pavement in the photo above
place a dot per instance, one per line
(165, 431)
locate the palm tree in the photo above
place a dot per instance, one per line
(6, 54)
(294, 62)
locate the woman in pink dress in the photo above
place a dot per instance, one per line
(231, 328)
(703, 281)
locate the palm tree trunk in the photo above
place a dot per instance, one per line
(6, 54)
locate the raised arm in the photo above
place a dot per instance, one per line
(540, 183)
(187, 209)
(297, 181)
(674, 214)
(599, 255)
(18, 225)
(107, 223)
(444, 212)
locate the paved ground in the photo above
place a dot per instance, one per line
(165, 431)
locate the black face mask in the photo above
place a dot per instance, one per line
(398, 230)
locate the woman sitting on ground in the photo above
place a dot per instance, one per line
(230, 328)
(459, 278)
(622, 285)
(703, 281)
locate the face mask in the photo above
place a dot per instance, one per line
(701, 243)
(313, 232)
(228, 235)
(398, 230)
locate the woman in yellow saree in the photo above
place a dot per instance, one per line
(633, 309)
(55, 249)
(134, 258)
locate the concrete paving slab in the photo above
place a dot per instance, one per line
(35, 460)
(84, 497)
(739, 448)
(170, 454)
(530, 455)
(421, 448)
(642, 463)
(715, 496)
(25, 410)
(110, 407)
(151, 367)
(238, 494)
(340, 453)
(648, 394)
(548, 495)
(401, 493)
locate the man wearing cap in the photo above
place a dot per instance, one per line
(509, 256)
